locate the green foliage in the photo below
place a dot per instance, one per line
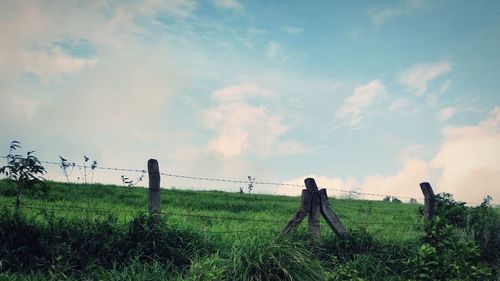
(451, 211)
(484, 227)
(25, 172)
(446, 255)
(481, 223)
(346, 271)
(254, 259)
(59, 246)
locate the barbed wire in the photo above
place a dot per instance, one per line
(354, 192)
(173, 175)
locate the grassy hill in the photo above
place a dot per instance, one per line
(204, 235)
(181, 208)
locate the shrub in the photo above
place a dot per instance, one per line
(25, 172)
(446, 255)
(484, 227)
(451, 211)
(76, 247)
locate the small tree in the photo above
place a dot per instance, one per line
(25, 172)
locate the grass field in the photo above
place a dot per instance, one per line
(233, 225)
(181, 208)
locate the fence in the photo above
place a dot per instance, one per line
(314, 202)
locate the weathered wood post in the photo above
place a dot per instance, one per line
(154, 186)
(313, 203)
(314, 212)
(305, 205)
(330, 217)
(429, 200)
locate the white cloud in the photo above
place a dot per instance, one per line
(244, 127)
(445, 87)
(492, 124)
(228, 4)
(404, 183)
(399, 103)
(18, 108)
(275, 52)
(51, 64)
(467, 165)
(353, 107)
(469, 160)
(382, 15)
(241, 92)
(293, 30)
(419, 76)
(446, 113)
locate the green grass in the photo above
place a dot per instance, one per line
(383, 219)
(97, 232)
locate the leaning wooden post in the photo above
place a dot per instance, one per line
(305, 206)
(154, 186)
(429, 200)
(314, 212)
(331, 219)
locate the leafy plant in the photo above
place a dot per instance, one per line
(250, 184)
(25, 172)
(92, 167)
(65, 165)
(126, 181)
(483, 226)
(445, 254)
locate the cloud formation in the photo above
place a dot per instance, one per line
(353, 107)
(469, 160)
(228, 4)
(242, 126)
(467, 165)
(418, 77)
(380, 16)
(446, 113)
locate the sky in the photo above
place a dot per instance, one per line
(372, 96)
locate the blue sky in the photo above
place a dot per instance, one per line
(364, 95)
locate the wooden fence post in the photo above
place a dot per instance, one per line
(429, 200)
(154, 186)
(314, 212)
(330, 217)
(305, 206)
(315, 203)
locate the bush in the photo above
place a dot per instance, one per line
(484, 227)
(446, 255)
(58, 246)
